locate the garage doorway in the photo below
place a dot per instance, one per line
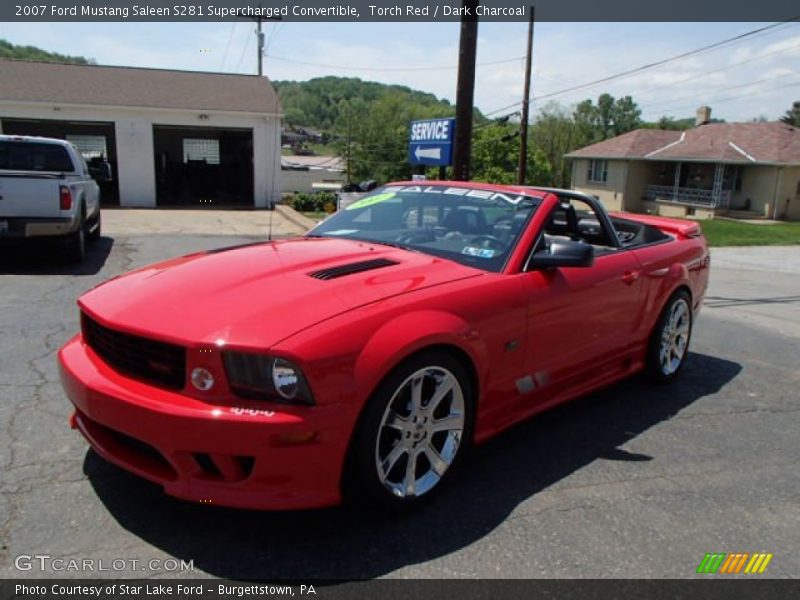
(95, 141)
(203, 166)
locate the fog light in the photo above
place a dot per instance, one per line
(202, 379)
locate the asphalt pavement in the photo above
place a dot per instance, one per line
(633, 481)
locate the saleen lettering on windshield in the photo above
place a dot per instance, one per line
(362, 359)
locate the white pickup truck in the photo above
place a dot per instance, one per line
(47, 194)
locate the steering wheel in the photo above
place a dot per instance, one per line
(488, 241)
(416, 237)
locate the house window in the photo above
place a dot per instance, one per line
(90, 146)
(197, 150)
(598, 171)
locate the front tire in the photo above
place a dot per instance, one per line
(669, 343)
(414, 431)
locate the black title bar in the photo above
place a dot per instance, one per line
(405, 11)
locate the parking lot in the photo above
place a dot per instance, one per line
(634, 481)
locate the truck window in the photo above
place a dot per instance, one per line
(32, 156)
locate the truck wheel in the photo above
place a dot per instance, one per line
(76, 247)
(669, 343)
(95, 233)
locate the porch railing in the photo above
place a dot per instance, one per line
(691, 196)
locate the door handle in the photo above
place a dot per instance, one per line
(630, 276)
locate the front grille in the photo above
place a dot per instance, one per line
(141, 358)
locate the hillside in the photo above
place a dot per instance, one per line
(9, 50)
(322, 103)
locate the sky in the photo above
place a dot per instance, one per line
(754, 77)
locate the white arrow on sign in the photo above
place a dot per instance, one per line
(434, 153)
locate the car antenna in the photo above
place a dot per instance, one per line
(272, 210)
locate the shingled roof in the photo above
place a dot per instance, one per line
(30, 81)
(763, 143)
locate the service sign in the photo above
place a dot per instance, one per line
(431, 142)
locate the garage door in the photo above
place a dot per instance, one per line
(203, 166)
(94, 140)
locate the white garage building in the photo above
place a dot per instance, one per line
(173, 138)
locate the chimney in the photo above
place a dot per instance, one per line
(703, 116)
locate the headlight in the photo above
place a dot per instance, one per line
(262, 377)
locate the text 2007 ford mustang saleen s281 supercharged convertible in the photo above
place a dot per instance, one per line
(367, 355)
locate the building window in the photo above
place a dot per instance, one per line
(197, 150)
(598, 171)
(90, 146)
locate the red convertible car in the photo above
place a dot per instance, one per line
(364, 357)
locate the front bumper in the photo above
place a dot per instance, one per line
(270, 457)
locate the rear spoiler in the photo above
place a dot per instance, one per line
(680, 227)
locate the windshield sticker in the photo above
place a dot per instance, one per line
(458, 191)
(479, 252)
(370, 200)
(341, 232)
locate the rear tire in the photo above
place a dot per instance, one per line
(95, 233)
(412, 434)
(76, 247)
(669, 343)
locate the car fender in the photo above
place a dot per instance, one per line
(671, 278)
(409, 333)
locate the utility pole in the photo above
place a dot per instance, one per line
(349, 141)
(465, 90)
(260, 39)
(260, 36)
(523, 126)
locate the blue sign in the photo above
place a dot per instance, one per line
(431, 142)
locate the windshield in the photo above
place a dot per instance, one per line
(472, 226)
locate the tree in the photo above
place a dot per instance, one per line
(13, 51)
(792, 116)
(495, 156)
(555, 133)
(608, 118)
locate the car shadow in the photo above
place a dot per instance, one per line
(49, 259)
(347, 543)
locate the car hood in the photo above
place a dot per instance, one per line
(259, 294)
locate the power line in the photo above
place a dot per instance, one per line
(723, 89)
(713, 72)
(347, 68)
(736, 97)
(651, 65)
(244, 49)
(227, 46)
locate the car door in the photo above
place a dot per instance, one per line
(580, 319)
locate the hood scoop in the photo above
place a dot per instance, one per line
(350, 269)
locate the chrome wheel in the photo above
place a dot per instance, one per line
(420, 432)
(675, 337)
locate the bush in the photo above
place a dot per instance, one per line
(313, 202)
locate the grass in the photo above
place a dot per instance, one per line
(721, 232)
(317, 215)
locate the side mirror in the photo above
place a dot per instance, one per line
(100, 171)
(562, 254)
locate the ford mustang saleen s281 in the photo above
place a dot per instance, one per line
(364, 357)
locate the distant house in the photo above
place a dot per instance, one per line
(748, 169)
(312, 173)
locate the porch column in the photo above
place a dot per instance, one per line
(677, 183)
(716, 190)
